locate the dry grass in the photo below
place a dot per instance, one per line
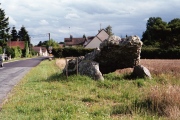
(158, 67)
(61, 63)
(165, 100)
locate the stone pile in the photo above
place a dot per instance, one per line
(113, 53)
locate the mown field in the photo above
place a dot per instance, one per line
(46, 94)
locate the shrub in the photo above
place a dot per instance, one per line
(16, 52)
(1, 51)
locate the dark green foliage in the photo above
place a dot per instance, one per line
(108, 29)
(4, 29)
(161, 34)
(158, 53)
(14, 52)
(14, 34)
(70, 52)
(57, 52)
(1, 50)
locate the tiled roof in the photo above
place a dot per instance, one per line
(43, 49)
(21, 44)
(37, 49)
(74, 41)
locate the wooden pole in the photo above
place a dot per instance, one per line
(66, 68)
(77, 65)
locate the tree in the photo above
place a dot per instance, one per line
(174, 38)
(40, 43)
(26, 49)
(108, 29)
(52, 43)
(14, 34)
(4, 29)
(155, 30)
(24, 36)
(84, 36)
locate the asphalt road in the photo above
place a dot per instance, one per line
(13, 72)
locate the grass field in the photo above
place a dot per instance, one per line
(46, 94)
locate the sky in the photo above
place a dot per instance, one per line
(62, 18)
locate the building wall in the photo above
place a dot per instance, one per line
(94, 43)
(102, 35)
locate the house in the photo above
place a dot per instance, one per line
(61, 44)
(71, 42)
(20, 44)
(42, 51)
(94, 42)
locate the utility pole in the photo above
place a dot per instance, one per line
(49, 36)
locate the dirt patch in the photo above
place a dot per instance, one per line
(61, 63)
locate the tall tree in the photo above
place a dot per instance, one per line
(174, 38)
(14, 34)
(23, 35)
(155, 30)
(4, 29)
(108, 29)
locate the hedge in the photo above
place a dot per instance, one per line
(146, 53)
(157, 53)
(70, 52)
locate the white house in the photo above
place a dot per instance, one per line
(94, 42)
(42, 51)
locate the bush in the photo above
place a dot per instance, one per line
(16, 52)
(1, 51)
(70, 51)
(57, 52)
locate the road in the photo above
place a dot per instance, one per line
(13, 72)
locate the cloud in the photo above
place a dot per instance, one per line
(43, 22)
(27, 20)
(84, 17)
(71, 16)
(12, 21)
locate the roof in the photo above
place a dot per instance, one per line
(37, 49)
(20, 44)
(101, 36)
(74, 41)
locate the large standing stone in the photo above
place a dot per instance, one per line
(117, 53)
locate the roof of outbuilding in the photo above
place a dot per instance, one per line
(20, 44)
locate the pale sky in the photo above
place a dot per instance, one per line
(61, 18)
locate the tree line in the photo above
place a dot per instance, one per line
(161, 34)
(13, 35)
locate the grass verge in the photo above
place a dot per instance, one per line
(45, 94)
